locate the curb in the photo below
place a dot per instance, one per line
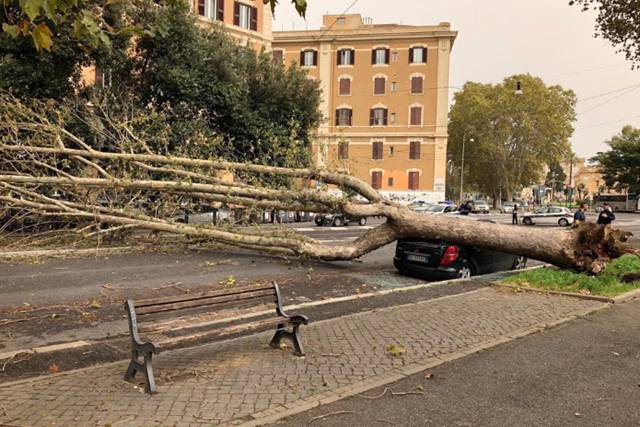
(618, 299)
(56, 252)
(272, 415)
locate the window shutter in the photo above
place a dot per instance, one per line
(376, 180)
(416, 113)
(353, 57)
(425, 53)
(416, 84)
(345, 86)
(378, 85)
(414, 180)
(302, 58)
(339, 57)
(337, 117)
(236, 13)
(372, 117)
(385, 117)
(201, 7)
(386, 56)
(315, 58)
(220, 10)
(350, 117)
(373, 56)
(414, 150)
(411, 55)
(254, 19)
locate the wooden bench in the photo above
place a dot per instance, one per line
(196, 317)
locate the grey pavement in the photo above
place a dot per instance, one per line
(584, 373)
(244, 381)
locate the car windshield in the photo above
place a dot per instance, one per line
(435, 208)
(541, 211)
(420, 204)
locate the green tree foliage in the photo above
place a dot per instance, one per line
(514, 136)
(556, 177)
(619, 22)
(621, 165)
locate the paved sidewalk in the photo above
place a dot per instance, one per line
(243, 381)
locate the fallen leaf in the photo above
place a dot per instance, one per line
(615, 353)
(53, 369)
(395, 350)
(419, 387)
(428, 376)
(578, 414)
(95, 304)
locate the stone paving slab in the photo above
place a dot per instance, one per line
(244, 381)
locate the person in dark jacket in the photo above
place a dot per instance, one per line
(514, 215)
(606, 216)
(579, 217)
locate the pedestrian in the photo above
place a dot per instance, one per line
(514, 215)
(606, 216)
(579, 217)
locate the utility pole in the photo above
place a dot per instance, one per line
(570, 181)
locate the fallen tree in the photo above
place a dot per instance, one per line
(50, 171)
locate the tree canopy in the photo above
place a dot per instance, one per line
(621, 165)
(513, 136)
(556, 177)
(619, 22)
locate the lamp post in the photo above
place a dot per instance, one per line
(464, 138)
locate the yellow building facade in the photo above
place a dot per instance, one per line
(385, 100)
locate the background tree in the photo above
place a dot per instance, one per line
(619, 22)
(556, 177)
(514, 136)
(621, 165)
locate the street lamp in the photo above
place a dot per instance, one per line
(464, 137)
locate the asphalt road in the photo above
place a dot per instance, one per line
(584, 373)
(55, 281)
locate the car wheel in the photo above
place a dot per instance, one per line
(362, 222)
(563, 222)
(520, 263)
(527, 221)
(465, 271)
(337, 222)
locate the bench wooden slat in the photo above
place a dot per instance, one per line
(206, 319)
(202, 309)
(214, 293)
(218, 300)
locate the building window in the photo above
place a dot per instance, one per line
(417, 84)
(309, 58)
(345, 86)
(343, 150)
(344, 116)
(416, 116)
(376, 180)
(380, 56)
(379, 84)
(394, 86)
(418, 55)
(390, 182)
(346, 57)
(245, 16)
(414, 180)
(378, 117)
(414, 150)
(393, 118)
(394, 56)
(391, 151)
(278, 56)
(376, 153)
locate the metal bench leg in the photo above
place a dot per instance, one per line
(277, 337)
(150, 386)
(133, 366)
(295, 337)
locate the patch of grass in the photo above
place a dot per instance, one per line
(608, 283)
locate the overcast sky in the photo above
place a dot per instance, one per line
(546, 38)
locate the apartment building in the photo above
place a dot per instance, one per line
(250, 21)
(385, 100)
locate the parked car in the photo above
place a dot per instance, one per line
(437, 209)
(507, 207)
(420, 205)
(439, 260)
(338, 220)
(549, 215)
(480, 206)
